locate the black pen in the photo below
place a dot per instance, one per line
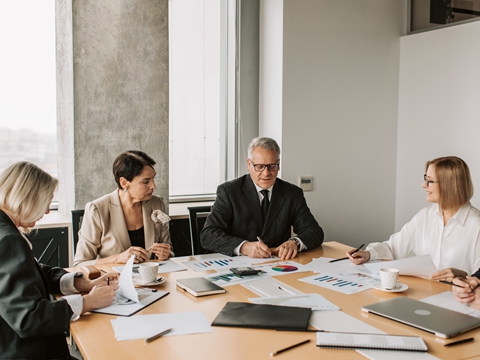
(346, 258)
(259, 239)
(449, 283)
(459, 342)
(108, 281)
(289, 347)
(154, 337)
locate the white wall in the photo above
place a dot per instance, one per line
(438, 109)
(339, 111)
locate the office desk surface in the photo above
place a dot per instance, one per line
(95, 338)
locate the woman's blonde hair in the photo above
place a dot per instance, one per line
(26, 191)
(454, 181)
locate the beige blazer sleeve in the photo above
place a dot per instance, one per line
(104, 231)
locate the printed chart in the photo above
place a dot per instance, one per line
(219, 262)
(229, 278)
(281, 268)
(346, 283)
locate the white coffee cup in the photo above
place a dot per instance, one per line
(148, 271)
(389, 278)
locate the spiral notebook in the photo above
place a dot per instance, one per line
(370, 341)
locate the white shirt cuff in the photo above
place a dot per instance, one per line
(236, 251)
(76, 304)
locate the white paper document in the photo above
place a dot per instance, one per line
(447, 300)
(396, 355)
(268, 287)
(217, 262)
(338, 321)
(227, 278)
(281, 268)
(144, 326)
(312, 301)
(346, 282)
(421, 266)
(322, 264)
(164, 267)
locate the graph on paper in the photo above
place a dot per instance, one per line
(229, 278)
(345, 283)
(214, 262)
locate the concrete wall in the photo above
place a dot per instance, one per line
(438, 109)
(116, 54)
(339, 111)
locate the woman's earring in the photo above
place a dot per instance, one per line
(126, 189)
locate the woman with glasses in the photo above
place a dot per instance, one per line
(128, 221)
(448, 230)
(32, 325)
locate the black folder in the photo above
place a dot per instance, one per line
(261, 316)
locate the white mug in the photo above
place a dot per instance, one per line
(389, 278)
(148, 271)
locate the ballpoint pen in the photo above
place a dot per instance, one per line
(154, 337)
(346, 258)
(289, 347)
(459, 342)
(449, 283)
(259, 239)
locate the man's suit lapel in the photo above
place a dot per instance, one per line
(276, 203)
(119, 225)
(252, 202)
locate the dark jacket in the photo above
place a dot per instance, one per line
(32, 326)
(237, 216)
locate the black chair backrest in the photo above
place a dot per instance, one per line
(77, 217)
(197, 216)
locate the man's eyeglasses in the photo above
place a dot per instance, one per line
(261, 167)
(429, 182)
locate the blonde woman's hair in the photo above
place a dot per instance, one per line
(454, 181)
(26, 191)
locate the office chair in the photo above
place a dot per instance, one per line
(197, 216)
(77, 217)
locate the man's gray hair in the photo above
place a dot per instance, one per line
(265, 143)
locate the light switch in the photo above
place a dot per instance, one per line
(305, 182)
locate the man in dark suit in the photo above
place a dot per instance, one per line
(257, 211)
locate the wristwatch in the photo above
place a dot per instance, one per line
(297, 242)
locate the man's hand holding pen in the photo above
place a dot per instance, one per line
(256, 249)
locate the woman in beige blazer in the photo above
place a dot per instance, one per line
(129, 221)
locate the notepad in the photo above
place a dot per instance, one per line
(199, 286)
(370, 341)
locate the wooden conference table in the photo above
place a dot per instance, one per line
(95, 338)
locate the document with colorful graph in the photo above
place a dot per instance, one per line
(281, 268)
(214, 262)
(227, 278)
(347, 282)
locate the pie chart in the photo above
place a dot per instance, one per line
(284, 268)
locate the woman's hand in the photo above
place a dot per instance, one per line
(161, 250)
(360, 257)
(84, 285)
(468, 291)
(448, 274)
(141, 255)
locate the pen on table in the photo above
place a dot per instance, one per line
(286, 290)
(346, 258)
(449, 283)
(459, 342)
(289, 347)
(154, 337)
(108, 281)
(259, 239)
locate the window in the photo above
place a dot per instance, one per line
(201, 39)
(27, 87)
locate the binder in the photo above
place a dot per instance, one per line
(338, 340)
(262, 316)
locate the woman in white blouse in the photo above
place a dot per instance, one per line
(448, 230)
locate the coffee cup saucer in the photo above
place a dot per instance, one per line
(400, 287)
(137, 280)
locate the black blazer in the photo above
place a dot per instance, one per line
(32, 326)
(237, 216)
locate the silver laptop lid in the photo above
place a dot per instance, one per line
(442, 322)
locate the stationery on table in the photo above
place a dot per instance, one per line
(156, 336)
(347, 258)
(214, 262)
(289, 347)
(199, 286)
(227, 278)
(338, 340)
(421, 266)
(434, 319)
(312, 301)
(323, 264)
(268, 287)
(240, 314)
(128, 300)
(396, 355)
(338, 321)
(145, 326)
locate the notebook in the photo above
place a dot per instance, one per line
(199, 286)
(370, 341)
(434, 319)
(261, 316)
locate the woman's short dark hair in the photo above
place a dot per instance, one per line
(130, 164)
(455, 183)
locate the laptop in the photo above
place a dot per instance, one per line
(434, 319)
